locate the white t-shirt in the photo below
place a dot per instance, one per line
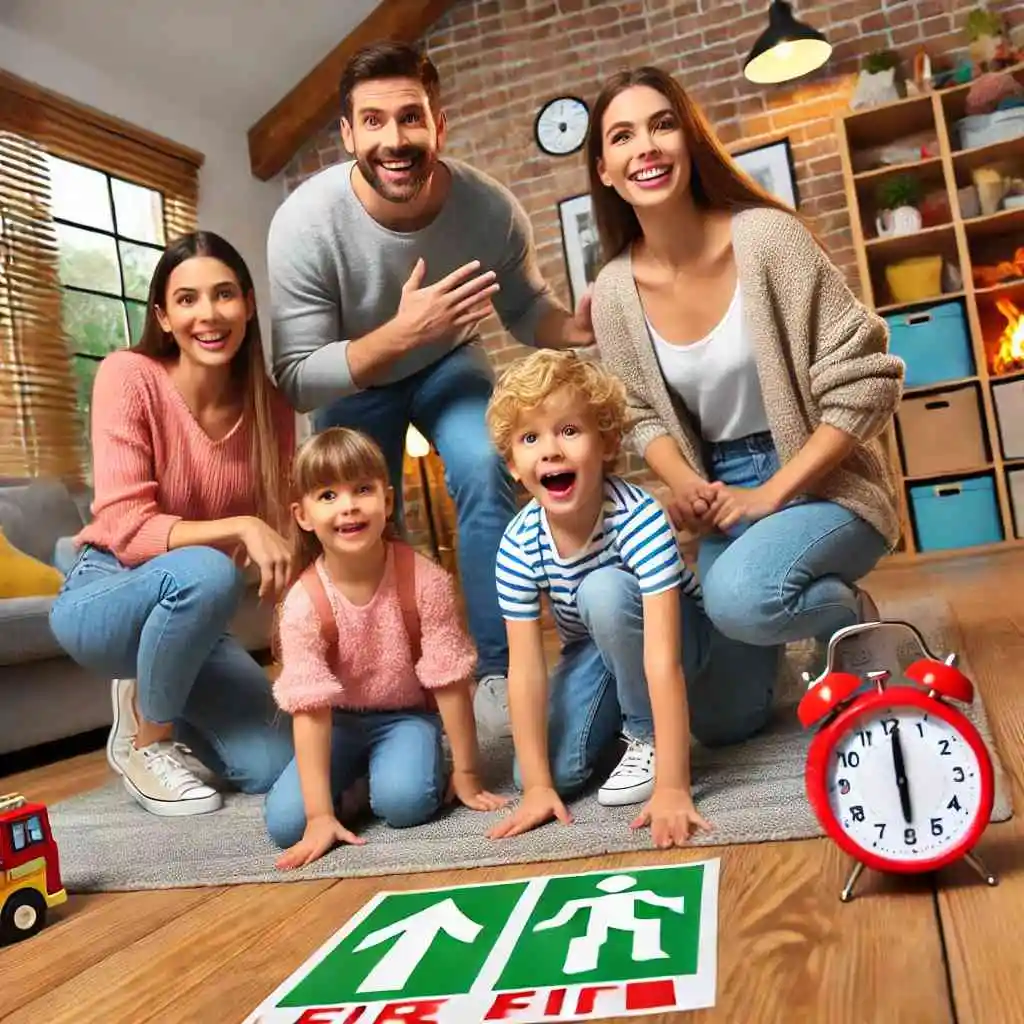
(633, 532)
(716, 377)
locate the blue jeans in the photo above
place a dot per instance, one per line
(447, 402)
(598, 690)
(164, 624)
(402, 752)
(791, 575)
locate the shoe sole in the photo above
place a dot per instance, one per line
(173, 808)
(623, 797)
(115, 727)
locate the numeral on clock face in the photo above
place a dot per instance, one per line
(904, 784)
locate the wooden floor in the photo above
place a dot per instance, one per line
(909, 952)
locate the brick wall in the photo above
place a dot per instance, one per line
(499, 60)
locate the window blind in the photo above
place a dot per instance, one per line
(40, 434)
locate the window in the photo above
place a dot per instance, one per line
(110, 233)
(26, 833)
(87, 202)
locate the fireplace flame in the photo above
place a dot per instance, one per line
(1009, 357)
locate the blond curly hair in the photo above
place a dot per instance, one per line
(530, 381)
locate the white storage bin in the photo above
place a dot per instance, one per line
(984, 129)
(1015, 484)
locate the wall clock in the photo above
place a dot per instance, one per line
(561, 125)
(898, 776)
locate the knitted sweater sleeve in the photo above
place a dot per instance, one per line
(447, 654)
(854, 381)
(306, 681)
(125, 484)
(618, 354)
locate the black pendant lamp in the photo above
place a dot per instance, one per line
(786, 49)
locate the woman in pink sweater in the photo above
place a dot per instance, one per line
(369, 658)
(190, 445)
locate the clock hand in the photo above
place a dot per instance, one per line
(901, 773)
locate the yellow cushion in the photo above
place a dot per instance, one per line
(22, 575)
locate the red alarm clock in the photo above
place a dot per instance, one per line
(897, 775)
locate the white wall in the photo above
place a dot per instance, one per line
(231, 201)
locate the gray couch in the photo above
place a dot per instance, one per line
(44, 695)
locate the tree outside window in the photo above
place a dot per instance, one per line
(110, 235)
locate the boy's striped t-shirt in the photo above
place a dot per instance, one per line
(633, 533)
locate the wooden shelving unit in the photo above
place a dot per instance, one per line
(962, 243)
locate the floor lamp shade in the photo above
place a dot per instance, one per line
(787, 48)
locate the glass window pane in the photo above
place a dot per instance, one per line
(138, 263)
(136, 320)
(35, 829)
(80, 194)
(88, 260)
(85, 371)
(95, 323)
(18, 835)
(140, 212)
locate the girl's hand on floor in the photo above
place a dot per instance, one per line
(320, 835)
(466, 786)
(538, 806)
(672, 817)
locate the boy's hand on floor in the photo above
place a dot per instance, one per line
(538, 806)
(467, 788)
(672, 817)
(320, 835)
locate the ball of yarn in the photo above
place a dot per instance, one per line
(989, 90)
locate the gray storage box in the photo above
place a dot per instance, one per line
(1009, 402)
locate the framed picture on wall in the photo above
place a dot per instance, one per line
(579, 243)
(772, 167)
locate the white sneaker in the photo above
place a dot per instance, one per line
(125, 725)
(632, 781)
(160, 782)
(490, 707)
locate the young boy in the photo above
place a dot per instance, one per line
(605, 553)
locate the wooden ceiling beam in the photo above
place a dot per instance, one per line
(277, 136)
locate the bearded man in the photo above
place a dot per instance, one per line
(381, 271)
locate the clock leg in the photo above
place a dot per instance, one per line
(975, 862)
(847, 894)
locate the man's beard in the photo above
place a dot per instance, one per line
(413, 180)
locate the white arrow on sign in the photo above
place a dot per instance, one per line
(417, 933)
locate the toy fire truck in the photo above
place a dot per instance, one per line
(29, 868)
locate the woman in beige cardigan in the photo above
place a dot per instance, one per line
(759, 385)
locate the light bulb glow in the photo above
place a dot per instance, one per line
(415, 443)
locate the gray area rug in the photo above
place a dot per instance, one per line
(750, 793)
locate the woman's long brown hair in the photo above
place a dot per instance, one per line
(716, 182)
(258, 390)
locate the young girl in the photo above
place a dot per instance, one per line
(759, 386)
(190, 443)
(361, 700)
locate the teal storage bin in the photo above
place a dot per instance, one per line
(934, 342)
(956, 514)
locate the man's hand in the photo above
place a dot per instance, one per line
(538, 806)
(462, 299)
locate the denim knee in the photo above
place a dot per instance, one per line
(724, 729)
(744, 608)
(285, 817)
(403, 800)
(476, 468)
(218, 582)
(566, 779)
(608, 598)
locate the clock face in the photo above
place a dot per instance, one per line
(904, 784)
(561, 126)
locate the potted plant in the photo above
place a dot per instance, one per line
(876, 82)
(897, 199)
(986, 34)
